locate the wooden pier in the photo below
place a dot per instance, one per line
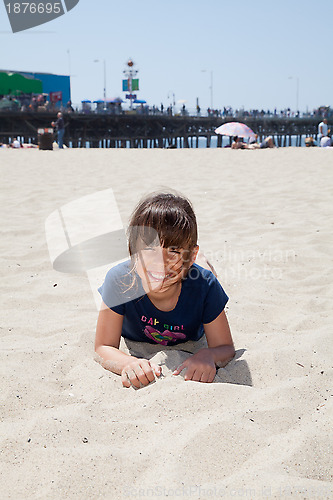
(148, 131)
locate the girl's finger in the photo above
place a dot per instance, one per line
(192, 374)
(205, 377)
(157, 369)
(124, 379)
(211, 377)
(144, 374)
(150, 369)
(133, 379)
(179, 369)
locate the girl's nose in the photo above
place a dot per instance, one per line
(158, 259)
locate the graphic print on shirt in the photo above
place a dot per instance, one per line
(163, 338)
(169, 335)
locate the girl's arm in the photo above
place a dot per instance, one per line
(201, 366)
(133, 371)
(219, 340)
(107, 340)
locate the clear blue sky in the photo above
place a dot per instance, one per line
(251, 47)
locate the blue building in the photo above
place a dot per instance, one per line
(54, 83)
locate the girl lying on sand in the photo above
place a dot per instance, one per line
(161, 296)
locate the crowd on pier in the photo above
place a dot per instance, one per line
(31, 103)
(41, 103)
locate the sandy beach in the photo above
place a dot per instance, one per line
(263, 429)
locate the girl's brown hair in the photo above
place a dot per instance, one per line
(169, 216)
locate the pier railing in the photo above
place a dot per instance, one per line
(142, 131)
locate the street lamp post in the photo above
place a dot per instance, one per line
(211, 86)
(104, 93)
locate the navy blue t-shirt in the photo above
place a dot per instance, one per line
(201, 300)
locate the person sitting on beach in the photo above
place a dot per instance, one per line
(253, 139)
(15, 144)
(161, 296)
(268, 142)
(310, 142)
(238, 144)
(325, 142)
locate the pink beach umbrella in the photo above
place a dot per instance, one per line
(235, 129)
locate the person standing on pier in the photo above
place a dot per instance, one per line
(60, 126)
(323, 130)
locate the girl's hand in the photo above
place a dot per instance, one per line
(139, 372)
(200, 367)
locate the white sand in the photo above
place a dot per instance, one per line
(263, 429)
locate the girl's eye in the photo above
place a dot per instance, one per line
(174, 251)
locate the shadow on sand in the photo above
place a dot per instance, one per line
(170, 357)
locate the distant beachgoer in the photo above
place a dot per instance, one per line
(323, 130)
(325, 142)
(267, 143)
(69, 107)
(253, 139)
(15, 144)
(34, 104)
(310, 142)
(60, 126)
(238, 144)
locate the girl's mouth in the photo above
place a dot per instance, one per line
(157, 277)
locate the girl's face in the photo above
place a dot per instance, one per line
(159, 268)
